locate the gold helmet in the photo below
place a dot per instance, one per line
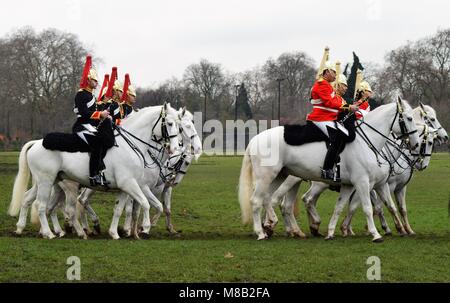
(342, 79)
(92, 74)
(325, 57)
(118, 86)
(131, 91)
(364, 85)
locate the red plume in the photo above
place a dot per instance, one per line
(125, 88)
(112, 79)
(105, 84)
(84, 76)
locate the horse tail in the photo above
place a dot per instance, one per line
(21, 181)
(246, 188)
(34, 214)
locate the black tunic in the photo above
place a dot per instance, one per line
(86, 110)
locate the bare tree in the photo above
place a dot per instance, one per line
(209, 81)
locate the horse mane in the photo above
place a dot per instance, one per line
(145, 111)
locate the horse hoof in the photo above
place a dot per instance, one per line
(114, 236)
(378, 240)
(68, 228)
(144, 236)
(299, 235)
(329, 238)
(263, 237)
(97, 229)
(315, 232)
(121, 231)
(60, 234)
(49, 236)
(268, 231)
(83, 237)
(388, 233)
(87, 232)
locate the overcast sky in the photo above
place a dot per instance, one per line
(155, 40)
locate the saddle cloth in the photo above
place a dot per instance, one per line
(302, 134)
(71, 143)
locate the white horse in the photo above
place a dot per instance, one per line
(262, 164)
(160, 178)
(420, 161)
(427, 114)
(398, 178)
(177, 165)
(422, 114)
(125, 166)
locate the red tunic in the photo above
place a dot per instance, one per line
(326, 104)
(363, 106)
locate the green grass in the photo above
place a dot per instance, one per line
(206, 210)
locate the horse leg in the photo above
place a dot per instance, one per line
(135, 219)
(385, 195)
(346, 192)
(282, 191)
(56, 201)
(128, 217)
(84, 198)
(310, 199)
(167, 197)
(43, 195)
(257, 200)
(132, 188)
(288, 211)
(118, 209)
(378, 211)
(70, 188)
(30, 196)
(363, 190)
(400, 196)
(159, 192)
(155, 203)
(346, 227)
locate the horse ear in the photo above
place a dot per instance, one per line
(422, 106)
(165, 105)
(399, 104)
(184, 111)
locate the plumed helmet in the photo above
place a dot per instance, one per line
(342, 79)
(88, 73)
(364, 85)
(118, 86)
(131, 91)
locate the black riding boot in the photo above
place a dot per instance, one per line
(334, 147)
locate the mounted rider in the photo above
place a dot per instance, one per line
(363, 94)
(327, 104)
(128, 97)
(89, 117)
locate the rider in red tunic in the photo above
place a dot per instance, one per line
(326, 106)
(363, 94)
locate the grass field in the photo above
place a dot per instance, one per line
(214, 247)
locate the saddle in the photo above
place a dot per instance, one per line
(71, 143)
(297, 134)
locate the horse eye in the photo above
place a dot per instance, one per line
(410, 119)
(433, 119)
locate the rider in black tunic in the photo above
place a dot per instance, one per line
(89, 117)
